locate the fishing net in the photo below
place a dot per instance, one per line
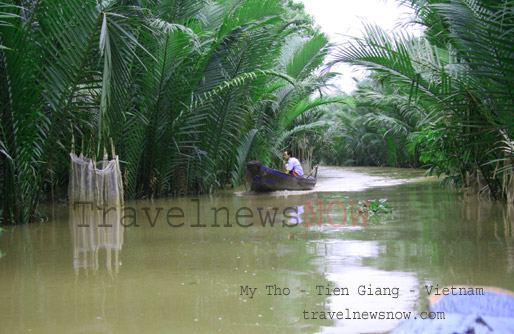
(96, 203)
(98, 182)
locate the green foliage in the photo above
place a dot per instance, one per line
(432, 143)
(375, 207)
(375, 130)
(183, 91)
(458, 78)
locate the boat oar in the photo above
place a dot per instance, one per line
(312, 171)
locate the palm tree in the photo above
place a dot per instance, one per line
(460, 72)
(293, 112)
(180, 89)
(63, 67)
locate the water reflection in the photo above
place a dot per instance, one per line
(333, 179)
(485, 220)
(187, 276)
(200, 268)
(508, 236)
(369, 289)
(93, 230)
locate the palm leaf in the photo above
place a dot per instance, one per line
(242, 153)
(307, 104)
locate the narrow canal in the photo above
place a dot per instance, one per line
(237, 262)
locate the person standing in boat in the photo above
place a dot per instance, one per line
(293, 166)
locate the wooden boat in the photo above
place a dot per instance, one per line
(262, 178)
(465, 309)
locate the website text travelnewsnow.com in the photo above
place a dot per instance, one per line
(346, 314)
(305, 215)
(363, 290)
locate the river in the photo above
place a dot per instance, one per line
(206, 264)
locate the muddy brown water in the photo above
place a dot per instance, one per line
(206, 264)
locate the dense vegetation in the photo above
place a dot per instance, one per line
(184, 91)
(187, 91)
(444, 99)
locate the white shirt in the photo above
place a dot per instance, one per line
(294, 164)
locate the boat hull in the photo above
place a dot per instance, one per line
(263, 179)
